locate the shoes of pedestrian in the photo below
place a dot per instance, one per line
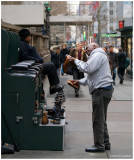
(55, 89)
(76, 93)
(62, 74)
(121, 81)
(71, 83)
(94, 149)
(107, 147)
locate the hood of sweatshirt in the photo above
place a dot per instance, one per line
(98, 50)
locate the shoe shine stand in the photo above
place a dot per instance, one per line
(26, 120)
(55, 127)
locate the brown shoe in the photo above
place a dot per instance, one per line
(71, 83)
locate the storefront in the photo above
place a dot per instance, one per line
(109, 39)
(127, 46)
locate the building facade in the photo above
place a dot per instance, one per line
(125, 15)
(21, 13)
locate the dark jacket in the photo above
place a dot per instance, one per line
(121, 59)
(28, 52)
(57, 60)
(113, 60)
(64, 52)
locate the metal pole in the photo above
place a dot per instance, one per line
(64, 32)
(76, 35)
(132, 45)
(49, 30)
(88, 34)
(46, 21)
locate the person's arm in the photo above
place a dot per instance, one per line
(82, 81)
(91, 65)
(24, 55)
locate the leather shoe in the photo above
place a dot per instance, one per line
(76, 93)
(94, 149)
(71, 83)
(107, 147)
(121, 80)
(55, 89)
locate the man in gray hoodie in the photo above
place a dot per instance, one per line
(99, 81)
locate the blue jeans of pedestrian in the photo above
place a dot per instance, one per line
(113, 72)
(62, 72)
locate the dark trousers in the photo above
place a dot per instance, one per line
(50, 70)
(121, 71)
(100, 101)
(77, 74)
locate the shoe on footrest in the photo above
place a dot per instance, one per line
(107, 147)
(71, 83)
(94, 149)
(55, 89)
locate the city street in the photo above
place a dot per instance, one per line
(78, 131)
(38, 38)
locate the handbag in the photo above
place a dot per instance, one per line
(127, 62)
(68, 67)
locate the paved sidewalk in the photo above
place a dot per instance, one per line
(78, 132)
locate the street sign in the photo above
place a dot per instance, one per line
(121, 24)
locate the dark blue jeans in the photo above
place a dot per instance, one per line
(100, 101)
(113, 73)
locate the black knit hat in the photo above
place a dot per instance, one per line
(23, 33)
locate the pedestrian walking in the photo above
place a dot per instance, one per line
(105, 49)
(121, 64)
(27, 52)
(64, 52)
(99, 81)
(80, 54)
(57, 60)
(113, 62)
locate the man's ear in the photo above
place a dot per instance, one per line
(94, 46)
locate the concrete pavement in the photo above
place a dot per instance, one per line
(78, 132)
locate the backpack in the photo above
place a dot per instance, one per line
(127, 62)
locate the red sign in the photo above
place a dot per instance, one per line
(121, 24)
(94, 35)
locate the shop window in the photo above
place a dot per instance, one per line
(111, 12)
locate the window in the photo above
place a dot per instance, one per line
(111, 4)
(111, 20)
(111, 12)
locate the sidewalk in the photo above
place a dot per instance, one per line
(78, 132)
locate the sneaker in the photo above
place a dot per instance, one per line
(55, 89)
(76, 93)
(71, 83)
(121, 80)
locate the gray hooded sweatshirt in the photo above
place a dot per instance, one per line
(97, 69)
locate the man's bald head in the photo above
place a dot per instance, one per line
(91, 47)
